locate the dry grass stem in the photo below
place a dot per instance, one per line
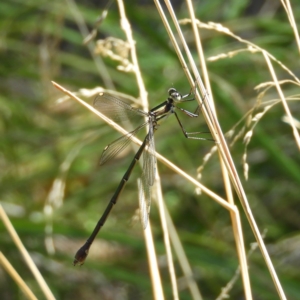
(208, 112)
(284, 103)
(236, 225)
(16, 277)
(216, 131)
(165, 230)
(152, 258)
(287, 6)
(125, 25)
(253, 48)
(182, 259)
(28, 260)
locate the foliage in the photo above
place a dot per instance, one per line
(46, 142)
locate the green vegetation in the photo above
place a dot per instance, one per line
(49, 150)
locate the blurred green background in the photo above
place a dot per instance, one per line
(40, 42)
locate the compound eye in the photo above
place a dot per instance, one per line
(171, 91)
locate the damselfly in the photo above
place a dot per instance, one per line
(118, 110)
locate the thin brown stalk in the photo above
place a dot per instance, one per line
(143, 95)
(125, 25)
(16, 277)
(288, 8)
(28, 260)
(152, 258)
(182, 258)
(238, 236)
(216, 131)
(165, 229)
(284, 103)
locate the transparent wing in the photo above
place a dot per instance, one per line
(144, 200)
(149, 159)
(118, 145)
(147, 178)
(116, 109)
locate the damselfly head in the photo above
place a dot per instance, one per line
(174, 94)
